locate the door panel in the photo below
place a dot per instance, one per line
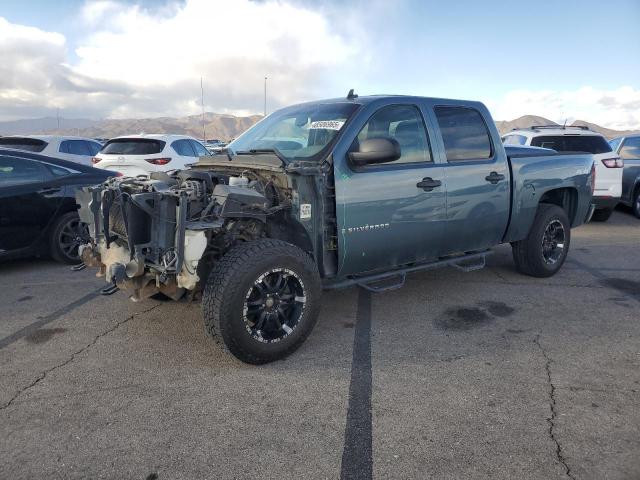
(384, 218)
(630, 153)
(29, 199)
(477, 176)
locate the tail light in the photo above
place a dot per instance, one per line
(613, 162)
(593, 178)
(95, 160)
(119, 174)
(159, 161)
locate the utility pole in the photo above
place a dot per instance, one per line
(204, 136)
(265, 96)
(58, 119)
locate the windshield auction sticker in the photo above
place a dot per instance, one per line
(327, 125)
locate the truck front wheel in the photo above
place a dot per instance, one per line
(262, 300)
(544, 251)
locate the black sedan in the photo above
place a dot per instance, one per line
(38, 211)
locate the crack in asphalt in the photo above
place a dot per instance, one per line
(552, 408)
(43, 375)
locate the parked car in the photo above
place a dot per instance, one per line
(143, 154)
(215, 146)
(580, 139)
(38, 211)
(74, 149)
(629, 150)
(370, 189)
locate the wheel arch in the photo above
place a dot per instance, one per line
(565, 198)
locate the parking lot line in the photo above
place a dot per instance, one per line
(357, 456)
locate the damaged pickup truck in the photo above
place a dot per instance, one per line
(327, 194)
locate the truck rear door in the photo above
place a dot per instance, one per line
(392, 213)
(477, 177)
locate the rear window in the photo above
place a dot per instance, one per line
(27, 144)
(133, 146)
(464, 133)
(573, 143)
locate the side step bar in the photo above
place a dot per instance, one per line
(395, 279)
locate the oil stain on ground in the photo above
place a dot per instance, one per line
(466, 318)
(498, 309)
(25, 298)
(43, 335)
(629, 287)
(463, 318)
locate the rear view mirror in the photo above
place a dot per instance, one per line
(375, 150)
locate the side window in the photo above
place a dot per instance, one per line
(514, 140)
(74, 147)
(58, 171)
(199, 148)
(631, 148)
(94, 147)
(464, 133)
(182, 147)
(19, 171)
(403, 123)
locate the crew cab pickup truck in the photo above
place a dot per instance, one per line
(328, 194)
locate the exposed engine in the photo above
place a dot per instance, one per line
(161, 234)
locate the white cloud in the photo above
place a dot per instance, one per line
(136, 62)
(618, 109)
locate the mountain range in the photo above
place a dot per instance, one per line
(217, 126)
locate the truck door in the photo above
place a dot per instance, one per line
(393, 213)
(478, 181)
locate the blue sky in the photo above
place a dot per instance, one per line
(574, 59)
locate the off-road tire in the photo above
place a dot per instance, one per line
(636, 203)
(602, 215)
(226, 290)
(528, 253)
(55, 248)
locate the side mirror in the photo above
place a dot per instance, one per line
(376, 150)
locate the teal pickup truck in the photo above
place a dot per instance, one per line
(328, 194)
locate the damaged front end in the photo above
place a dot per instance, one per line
(162, 234)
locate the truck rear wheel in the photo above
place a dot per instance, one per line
(544, 251)
(262, 300)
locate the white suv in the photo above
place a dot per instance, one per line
(143, 154)
(75, 149)
(609, 165)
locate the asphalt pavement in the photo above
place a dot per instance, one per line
(487, 374)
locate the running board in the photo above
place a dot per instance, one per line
(384, 284)
(470, 266)
(381, 282)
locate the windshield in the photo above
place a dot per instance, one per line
(28, 144)
(573, 143)
(302, 131)
(133, 146)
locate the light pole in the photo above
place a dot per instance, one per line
(204, 135)
(265, 96)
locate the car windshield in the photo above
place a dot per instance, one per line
(28, 144)
(133, 146)
(302, 131)
(573, 143)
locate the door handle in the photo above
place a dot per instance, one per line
(494, 177)
(428, 184)
(49, 191)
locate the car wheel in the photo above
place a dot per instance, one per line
(544, 251)
(262, 300)
(602, 215)
(636, 203)
(67, 234)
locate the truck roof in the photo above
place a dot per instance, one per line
(367, 99)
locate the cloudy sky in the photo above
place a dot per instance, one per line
(122, 59)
